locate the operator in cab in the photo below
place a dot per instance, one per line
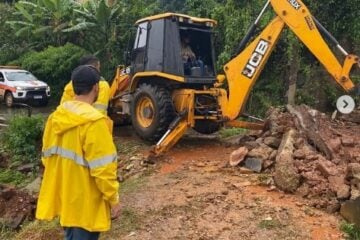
(189, 57)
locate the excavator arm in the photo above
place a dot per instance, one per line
(244, 69)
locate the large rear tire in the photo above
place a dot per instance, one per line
(152, 111)
(206, 126)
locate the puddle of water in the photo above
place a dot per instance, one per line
(9, 112)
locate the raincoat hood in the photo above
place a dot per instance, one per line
(72, 114)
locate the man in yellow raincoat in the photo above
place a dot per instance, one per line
(102, 101)
(80, 179)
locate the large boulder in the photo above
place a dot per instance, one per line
(350, 210)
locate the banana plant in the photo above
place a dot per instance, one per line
(98, 20)
(43, 20)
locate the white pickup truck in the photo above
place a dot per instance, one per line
(18, 85)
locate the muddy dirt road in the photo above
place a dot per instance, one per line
(193, 194)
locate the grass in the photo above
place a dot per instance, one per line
(129, 148)
(5, 232)
(269, 224)
(352, 232)
(41, 230)
(229, 132)
(131, 185)
(8, 176)
(129, 221)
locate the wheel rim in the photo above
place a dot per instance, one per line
(145, 112)
(9, 100)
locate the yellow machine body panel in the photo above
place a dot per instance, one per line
(183, 16)
(140, 75)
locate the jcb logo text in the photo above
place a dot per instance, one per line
(255, 59)
(295, 4)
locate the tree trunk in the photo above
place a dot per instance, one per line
(293, 72)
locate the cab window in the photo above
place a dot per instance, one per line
(141, 35)
(2, 77)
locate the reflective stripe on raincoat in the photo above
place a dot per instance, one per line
(80, 178)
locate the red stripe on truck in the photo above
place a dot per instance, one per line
(5, 87)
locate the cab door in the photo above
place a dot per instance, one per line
(139, 51)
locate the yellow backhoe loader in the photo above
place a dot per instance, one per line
(162, 96)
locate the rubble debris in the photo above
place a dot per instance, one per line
(327, 168)
(250, 145)
(310, 128)
(286, 176)
(299, 153)
(353, 117)
(15, 206)
(347, 141)
(254, 164)
(338, 186)
(238, 156)
(273, 142)
(318, 158)
(335, 144)
(353, 171)
(261, 152)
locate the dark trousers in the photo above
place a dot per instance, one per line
(196, 63)
(75, 233)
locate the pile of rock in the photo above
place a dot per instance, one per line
(307, 153)
(16, 206)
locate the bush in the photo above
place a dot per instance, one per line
(53, 65)
(22, 139)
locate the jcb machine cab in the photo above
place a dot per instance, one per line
(158, 68)
(160, 44)
(172, 84)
